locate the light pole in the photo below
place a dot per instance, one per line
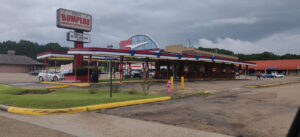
(110, 70)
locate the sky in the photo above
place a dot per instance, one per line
(242, 26)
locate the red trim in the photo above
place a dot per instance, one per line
(221, 58)
(153, 53)
(76, 78)
(169, 54)
(51, 52)
(157, 49)
(100, 49)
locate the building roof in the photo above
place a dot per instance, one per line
(153, 55)
(17, 60)
(194, 51)
(290, 64)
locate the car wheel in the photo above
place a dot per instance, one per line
(41, 79)
(55, 79)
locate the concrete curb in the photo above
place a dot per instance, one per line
(79, 109)
(57, 87)
(126, 103)
(4, 107)
(70, 84)
(273, 84)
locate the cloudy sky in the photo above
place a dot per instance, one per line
(243, 26)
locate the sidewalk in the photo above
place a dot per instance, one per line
(92, 124)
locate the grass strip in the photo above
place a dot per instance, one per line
(62, 98)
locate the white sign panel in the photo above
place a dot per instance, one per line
(79, 37)
(73, 20)
(65, 69)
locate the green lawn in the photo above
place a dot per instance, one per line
(61, 98)
(131, 79)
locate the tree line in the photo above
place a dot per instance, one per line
(28, 48)
(31, 49)
(257, 56)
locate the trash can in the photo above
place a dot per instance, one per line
(95, 76)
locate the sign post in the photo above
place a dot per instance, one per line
(79, 22)
(110, 73)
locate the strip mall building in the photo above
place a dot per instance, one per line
(285, 66)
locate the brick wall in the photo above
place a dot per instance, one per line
(14, 68)
(174, 48)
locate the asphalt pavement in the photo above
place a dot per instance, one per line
(92, 124)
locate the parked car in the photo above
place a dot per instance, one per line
(34, 73)
(276, 75)
(134, 74)
(51, 76)
(268, 76)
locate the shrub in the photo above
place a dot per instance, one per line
(131, 92)
(146, 86)
(92, 90)
(34, 91)
(115, 88)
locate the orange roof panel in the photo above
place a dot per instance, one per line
(284, 64)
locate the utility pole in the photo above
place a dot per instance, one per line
(110, 73)
(189, 41)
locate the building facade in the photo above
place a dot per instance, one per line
(285, 66)
(11, 63)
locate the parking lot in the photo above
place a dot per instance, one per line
(232, 108)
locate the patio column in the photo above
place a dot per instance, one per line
(214, 69)
(224, 70)
(240, 70)
(114, 73)
(126, 69)
(129, 69)
(78, 59)
(46, 65)
(185, 69)
(55, 69)
(121, 69)
(201, 73)
(168, 68)
(88, 75)
(156, 69)
(246, 72)
(96, 63)
(147, 68)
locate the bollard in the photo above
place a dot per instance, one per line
(182, 82)
(172, 82)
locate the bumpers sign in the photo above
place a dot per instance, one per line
(73, 20)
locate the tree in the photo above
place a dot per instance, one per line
(258, 56)
(28, 48)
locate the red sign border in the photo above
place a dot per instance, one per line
(58, 20)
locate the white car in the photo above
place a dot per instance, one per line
(51, 76)
(276, 75)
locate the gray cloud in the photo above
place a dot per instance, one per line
(235, 22)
